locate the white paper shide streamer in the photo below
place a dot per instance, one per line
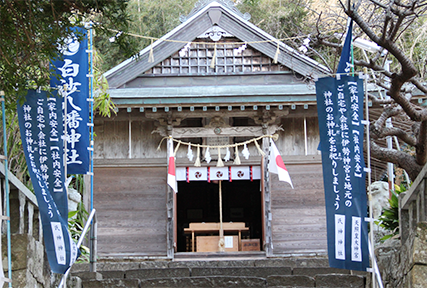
(227, 155)
(190, 155)
(208, 155)
(245, 152)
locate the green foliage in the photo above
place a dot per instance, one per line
(16, 164)
(147, 18)
(280, 18)
(76, 222)
(103, 105)
(389, 218)
(30, 32)
(78, 218)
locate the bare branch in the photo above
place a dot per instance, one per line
(419, 85)
(400, 158)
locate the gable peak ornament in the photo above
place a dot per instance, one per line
(215, 33)
(203, 3)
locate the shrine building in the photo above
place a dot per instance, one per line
(256, 87)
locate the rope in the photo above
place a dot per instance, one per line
(275, 60)
(274, 137)
(208, 43)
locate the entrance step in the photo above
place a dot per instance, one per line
(280, 272)
(241, 255)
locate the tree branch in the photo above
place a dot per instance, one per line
(419, 85)
(400, 158)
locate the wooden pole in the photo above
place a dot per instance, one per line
(221, 243)
(267, 195)
(262, 202)
(170, 212)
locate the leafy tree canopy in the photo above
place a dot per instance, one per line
(147, 18)
(280, 18)
(30, 32)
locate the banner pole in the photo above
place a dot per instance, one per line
(91, 116)
(65, 134)
(65, 148)
(371, 222)
(6, 179)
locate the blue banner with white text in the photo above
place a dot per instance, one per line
(340, 112)
(73, 84)
(40, 123)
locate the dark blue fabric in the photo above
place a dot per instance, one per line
(340, 112)
(40, 123)
(344, 66)
(72, 71)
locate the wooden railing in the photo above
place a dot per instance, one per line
(22, 197)
(413, 206)
(28, 221)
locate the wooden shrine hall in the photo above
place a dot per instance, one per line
(244, 95)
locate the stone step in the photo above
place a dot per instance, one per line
(279, 272)
(325, 281)
(219, 255)
(133, 264)
(150, 273)
(241, 271)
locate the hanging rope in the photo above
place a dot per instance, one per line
(211, 43)
(274, 137)
(237, 158)
(151, 55)
(220, 163)
(176, 149)
(276, 56)
(259, 148)
(213, 58)
(197, 163)
(237, 44)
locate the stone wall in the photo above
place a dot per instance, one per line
(29, 265)
(405, 265)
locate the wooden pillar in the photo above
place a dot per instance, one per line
(221, 229)
(175, 224)
(268, 245)
(170, 209)
(424, 202)
(403, 222)
(262, 203)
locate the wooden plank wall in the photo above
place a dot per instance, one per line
(291, 140)
(299, 216)
(131, 211)
(131, 202)
(144, 143)
(112, 140)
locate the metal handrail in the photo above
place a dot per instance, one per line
(89, 222)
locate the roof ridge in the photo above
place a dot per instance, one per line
(203, 3)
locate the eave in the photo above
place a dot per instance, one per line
(213, 95)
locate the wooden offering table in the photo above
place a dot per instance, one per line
(231, 227)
